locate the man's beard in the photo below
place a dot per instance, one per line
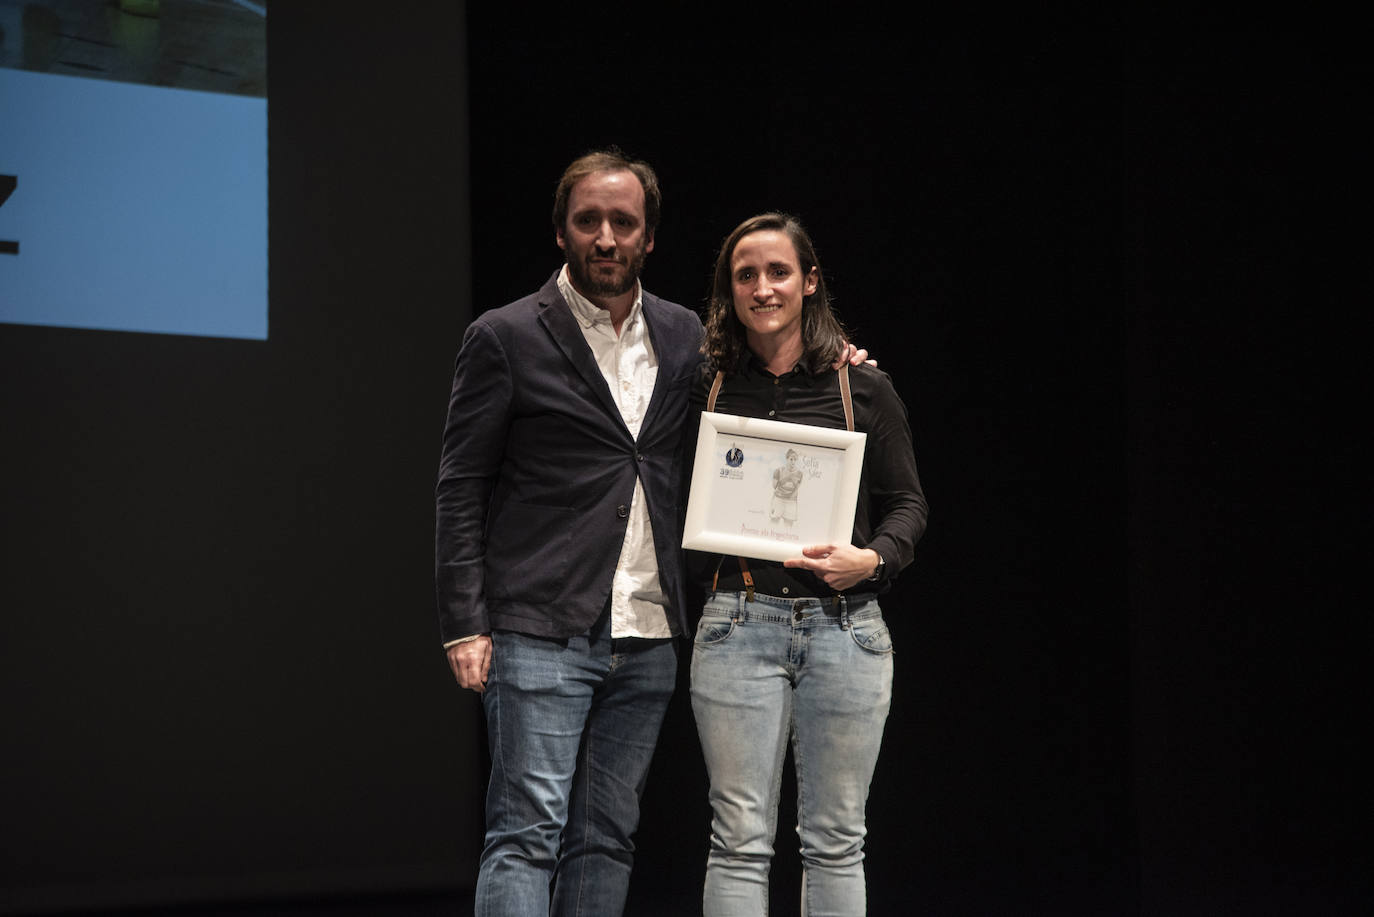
(590, 285)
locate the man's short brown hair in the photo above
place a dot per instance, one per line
(608, 160)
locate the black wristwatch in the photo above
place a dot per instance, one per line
(878, 570)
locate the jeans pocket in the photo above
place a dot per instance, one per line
(872, 636)
(712, 630)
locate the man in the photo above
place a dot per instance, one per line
(558, 566)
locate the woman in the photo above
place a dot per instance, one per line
(797, 650)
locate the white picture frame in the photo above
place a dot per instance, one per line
(750, 497)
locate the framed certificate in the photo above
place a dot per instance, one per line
(765, 489)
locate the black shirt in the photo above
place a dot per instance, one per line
(891, 513)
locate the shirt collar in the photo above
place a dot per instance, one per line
(750, 360)
(588, 313)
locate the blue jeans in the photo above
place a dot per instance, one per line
(775, 669)
(572, 726)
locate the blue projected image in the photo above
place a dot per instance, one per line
(133, 207)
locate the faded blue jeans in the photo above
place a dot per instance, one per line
(766, 672)
(572, 726)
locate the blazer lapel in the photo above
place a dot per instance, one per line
(557, 319)
(668, 366)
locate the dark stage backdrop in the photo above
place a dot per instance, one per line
(1248, 525)
(220, 672)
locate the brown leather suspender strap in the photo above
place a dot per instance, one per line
(748, 579)
(848, 400)
(744, 572)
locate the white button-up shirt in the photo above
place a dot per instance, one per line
(630, 368)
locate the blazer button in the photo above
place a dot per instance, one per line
(639, 457)
(622, 511)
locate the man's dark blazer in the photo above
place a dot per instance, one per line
(538, 470)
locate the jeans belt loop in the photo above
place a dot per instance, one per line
(844, 612)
